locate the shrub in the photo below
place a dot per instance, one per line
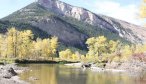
(139, 56)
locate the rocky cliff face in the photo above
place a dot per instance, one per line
(131, 32)
(125, 30)
(64, 9)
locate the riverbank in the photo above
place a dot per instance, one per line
(94, 67)
(134, 68)
(24, 61)
(9, 74)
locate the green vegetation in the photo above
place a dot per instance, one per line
(5, 25)
(32, 12)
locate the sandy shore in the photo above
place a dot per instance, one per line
(9, 74)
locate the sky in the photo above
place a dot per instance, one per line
(126, 10)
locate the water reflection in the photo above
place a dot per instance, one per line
(60, 74)
(45, 74)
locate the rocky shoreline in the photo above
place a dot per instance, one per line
(9, 74)
(134, 68)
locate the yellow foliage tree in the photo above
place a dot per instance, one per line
(99, 47)
(54, 45)
(65, 55)
(37, 50)
(113, 46)
(96, 45)
(12, 42)
(1, 42)
(45, 48)
(69, 55)
(126, 53)
(24, 43)
(20, 44)
(143, 9)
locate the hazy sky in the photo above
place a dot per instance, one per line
(122, 9)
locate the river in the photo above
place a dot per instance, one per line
(61, 74)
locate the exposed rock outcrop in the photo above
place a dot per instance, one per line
(133, 33)
(9, 74)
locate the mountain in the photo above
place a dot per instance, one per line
(71, 24)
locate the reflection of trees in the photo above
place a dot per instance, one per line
(48, 74)
(55, 74)
(70, 75)
(108, 78)
(60, 74)
(141, 78)
(45, 73)
(67, 71)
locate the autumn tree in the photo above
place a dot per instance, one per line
(24, 42)
(54, 45)
(66, 54)
(69, 55)
(100, 46)
(11, 37)
(37, 48)
(45, 48)
(143, 9)
(126, 52)
(1, 42)
(21, 45)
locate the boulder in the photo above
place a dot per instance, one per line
(8, 73)
(88, 65)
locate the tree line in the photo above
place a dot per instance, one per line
(100, 49)
(21, 45)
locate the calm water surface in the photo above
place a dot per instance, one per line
(60, 74)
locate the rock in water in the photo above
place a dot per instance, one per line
(86, 65)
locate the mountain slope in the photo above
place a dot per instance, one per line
(124, 29)
(4, 25)
(73, 25)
